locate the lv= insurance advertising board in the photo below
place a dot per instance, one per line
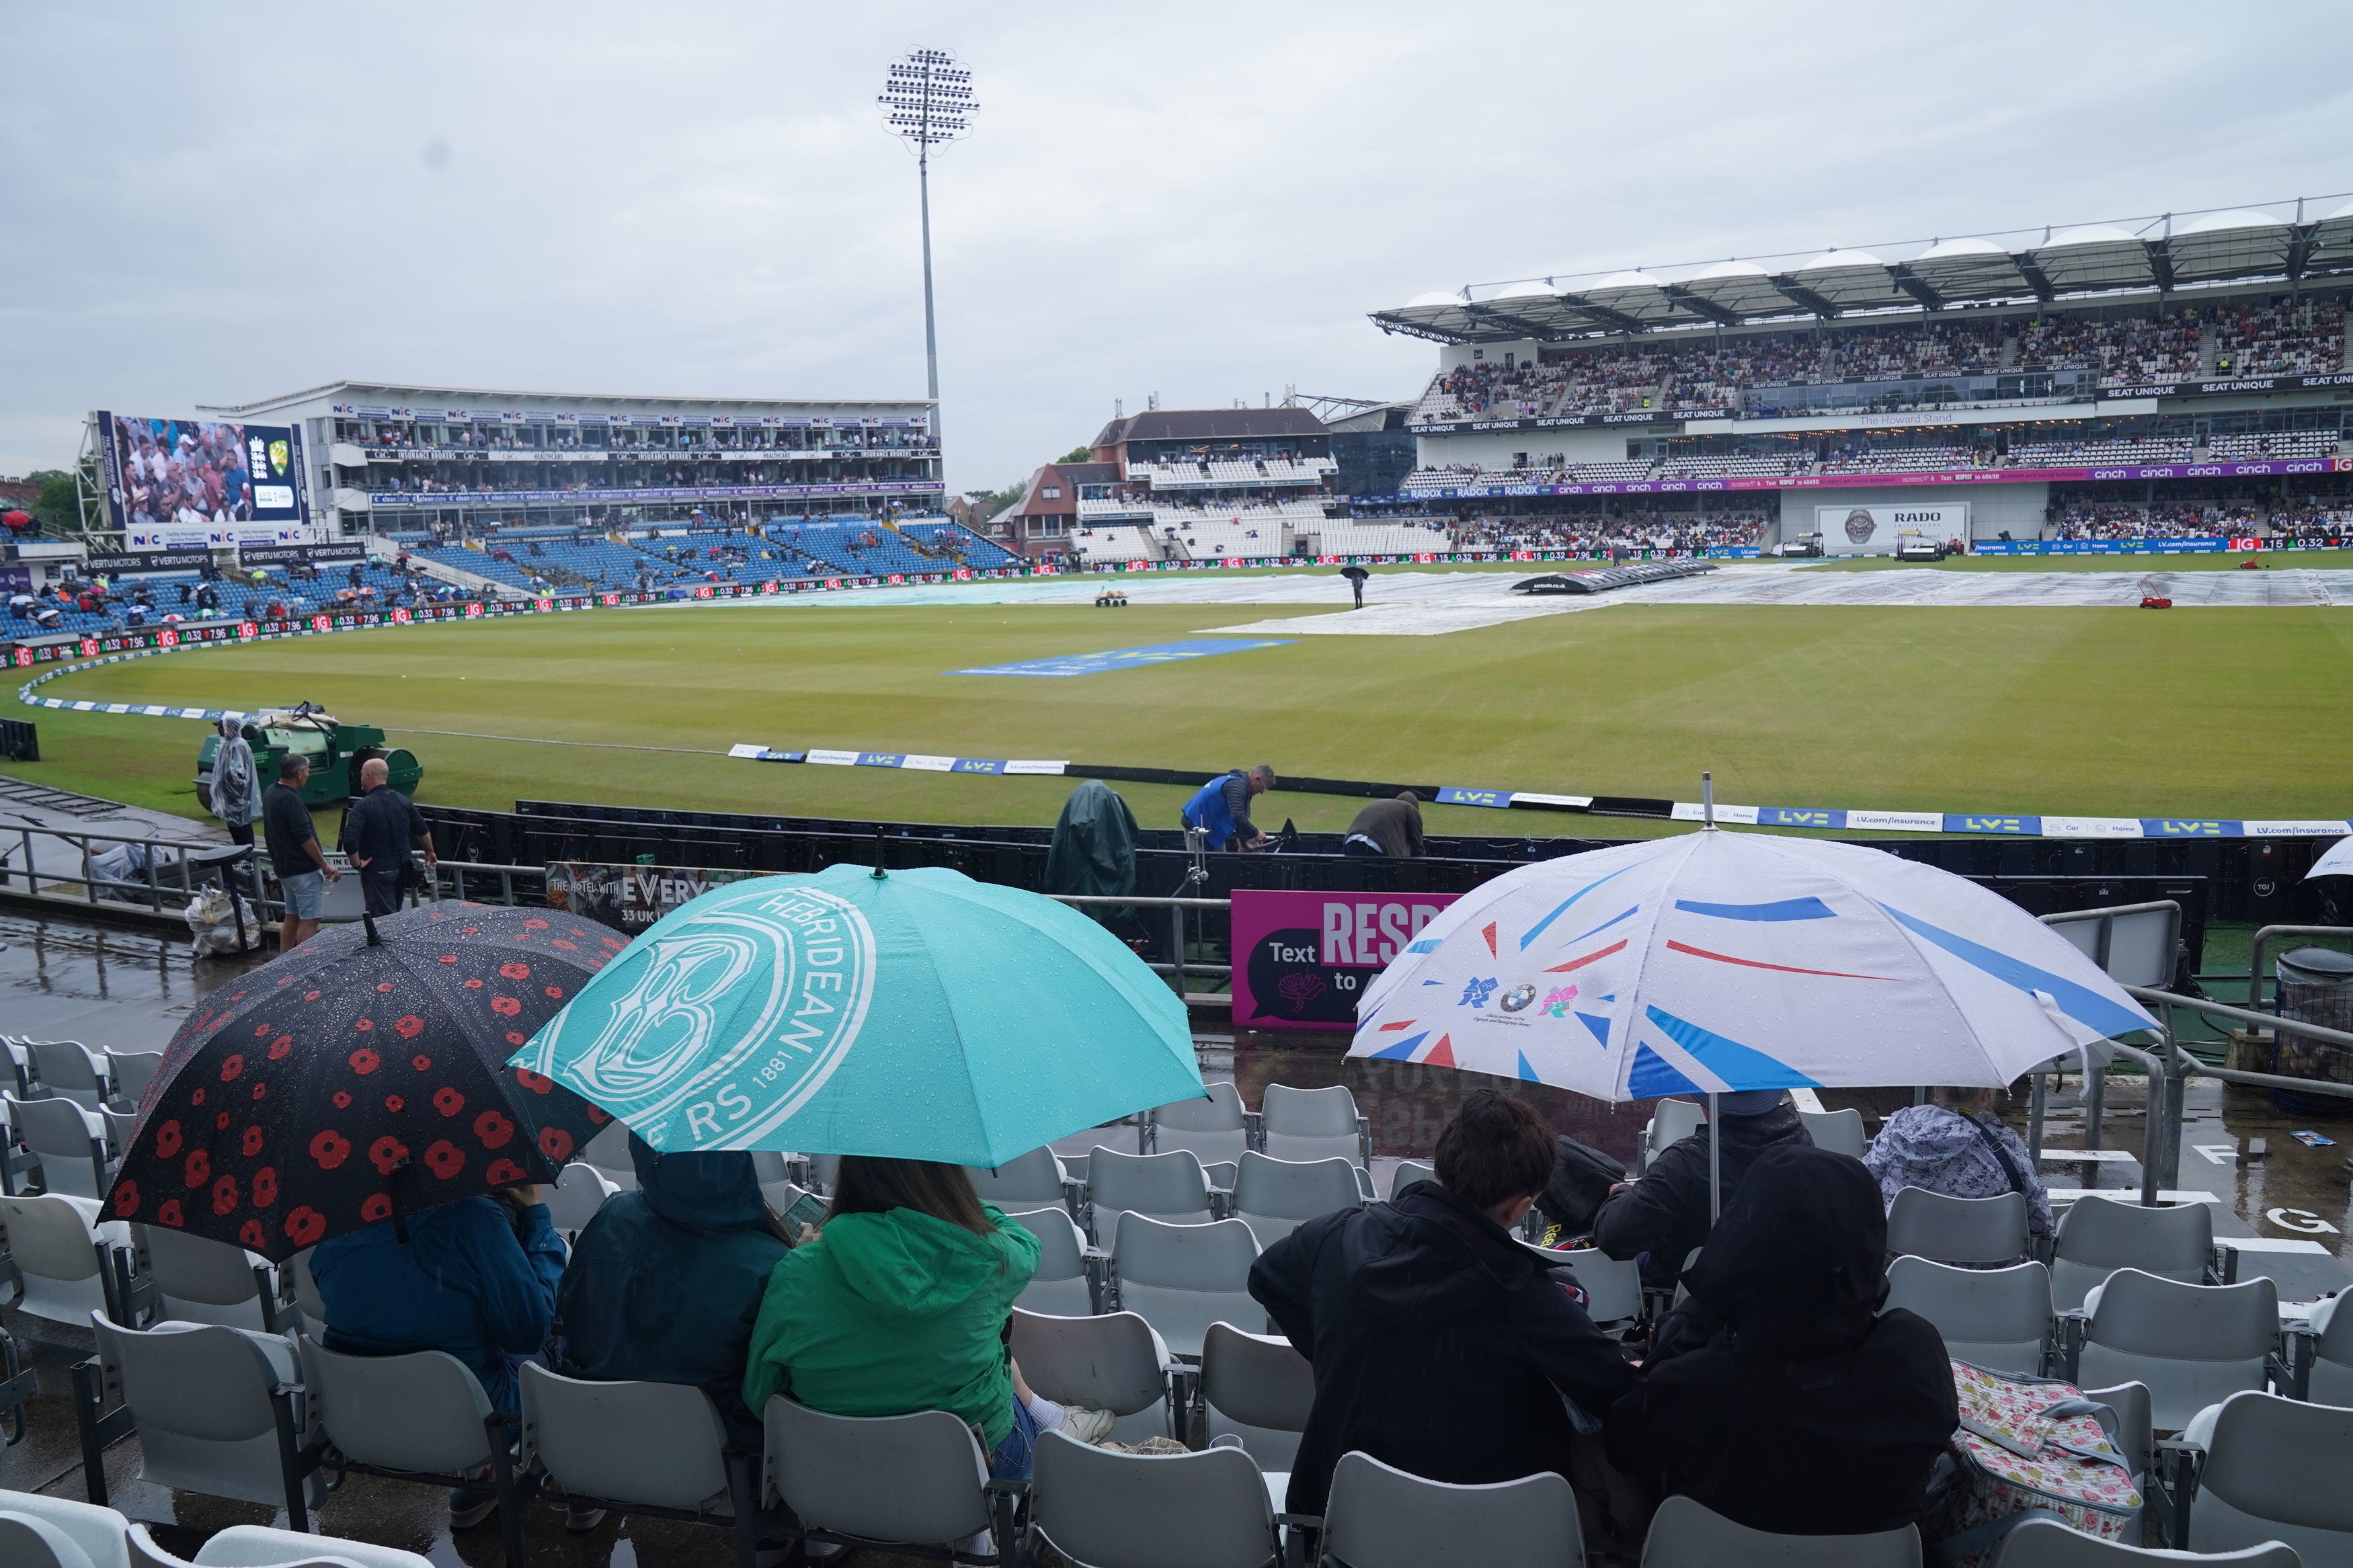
(1303, 960)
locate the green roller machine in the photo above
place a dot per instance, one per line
(335, 750)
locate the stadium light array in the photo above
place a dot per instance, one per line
(927, 101)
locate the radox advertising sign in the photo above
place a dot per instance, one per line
(1303, 960)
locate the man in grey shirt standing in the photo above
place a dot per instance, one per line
(294, 853)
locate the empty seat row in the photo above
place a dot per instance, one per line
(42, 1532)
(2096, 1236)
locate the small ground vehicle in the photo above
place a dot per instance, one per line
(335, 750)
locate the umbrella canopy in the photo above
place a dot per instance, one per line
(918, 1015)
(2338, 861)
(1720, 962)
(323, 1091)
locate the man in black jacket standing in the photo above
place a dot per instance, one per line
(377, 834)
(1666, 1213)
(1441, 1345)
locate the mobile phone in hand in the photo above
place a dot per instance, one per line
(809, 1209)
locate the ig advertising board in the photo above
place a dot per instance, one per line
(1301, 961)
(629, 898)
(184, 484)
(1878, 530)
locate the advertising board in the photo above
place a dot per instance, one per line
(1878, 530)
(1303, 960)
(629, 898)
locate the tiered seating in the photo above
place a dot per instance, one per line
(1112, 545)
(1899, 459)
(1381, 539)
(960, 545)
(2074, 454)
(1213, 538)
(2285, 446)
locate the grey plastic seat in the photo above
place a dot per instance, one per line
(1840, 1132)
(2331, 1379)
(1922, 1224)
(1182, 1278)
(1381, 1517)
(2275, 1470)
(609, 1153)
(1029, 1182)
(421, 1417)
(70, 1141)
(1686, 1534)
(1112, 1361)
(261, 1546)
(1171, 1187)
(659, 1444)
(580, 1191)
(1214, 1129)
(204, 1398)
(306, 1290)
(2099, 1235)
(1672, 1122)
(2193, 1346)
(1061, 1287)
(29, 1542)
(2136, 1435)
(207, 1281)
(1105, 1509)
(1314, 1124)
(132, 1070)
(1613, 1286)
(916, 1479)
(60, 1258)
(2047, 1543)
(99, 1532)
(1407, 1172)
(69, 1068)
(1274, 1197)
(1257, 1389)
(1998, 1318)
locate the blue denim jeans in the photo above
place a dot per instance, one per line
(1014, 1456)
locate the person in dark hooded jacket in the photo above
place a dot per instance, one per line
(1441, 1345)
(1779, 1394)
(665, 1282)
(1665, 1214)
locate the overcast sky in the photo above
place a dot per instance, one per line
(217, 203)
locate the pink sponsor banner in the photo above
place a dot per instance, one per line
(1303, 960)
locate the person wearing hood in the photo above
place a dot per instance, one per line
(900, 1304)
(1953, 1145)
(235, 787)
(1666, 1213)
(665, 1282)
(1779, 1394)
(1439, 1344)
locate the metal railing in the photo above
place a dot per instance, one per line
(149, 889)
(1176, 968)
(2262, 938)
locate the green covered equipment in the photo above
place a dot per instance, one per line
(336, 750)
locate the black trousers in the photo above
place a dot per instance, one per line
(381, 888)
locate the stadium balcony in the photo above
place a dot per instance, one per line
(1112, 545)
(1221, 473)
(2071, 454)
(1222, 538)
(1334, 538)
(2284, 445)
(1900, 460)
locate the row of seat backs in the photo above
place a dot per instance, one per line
(72, 1070)
(1673, 1120)
(2096, 1236)
(1290, 1124)
(41, 1532)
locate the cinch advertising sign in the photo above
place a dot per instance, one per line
(1303, 960)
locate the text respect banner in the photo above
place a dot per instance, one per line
(1303, 960)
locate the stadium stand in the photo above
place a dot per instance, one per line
(1108, 543)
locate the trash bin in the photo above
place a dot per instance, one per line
(2315, 987)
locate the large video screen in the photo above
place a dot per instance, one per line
(174, 483)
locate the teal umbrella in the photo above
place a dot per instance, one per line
(918, 1015)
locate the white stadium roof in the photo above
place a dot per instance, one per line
(2230, 245)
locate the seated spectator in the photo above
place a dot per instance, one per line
(1441, 1345)
(665, 1282)
(476, 1279)
(1779, 1394)
(1954, 1146)
(1663, 1217)
(901, 1303)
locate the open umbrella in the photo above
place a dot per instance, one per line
(362, 1076)
(918, 1015)
(1717, 962)
(2337, 861)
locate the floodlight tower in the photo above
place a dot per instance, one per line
(927, 101)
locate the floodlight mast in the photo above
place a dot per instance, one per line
(927, 101)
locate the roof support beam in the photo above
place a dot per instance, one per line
(1520, 326)
(2160, 264)
(2299, 250)
(1914, 284)
(1604, 314)
(1700, 307)
(1798, 294)
(2031, 270)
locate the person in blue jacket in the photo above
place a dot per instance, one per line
(665, 1282)
(1221, 809)
(476, 1279)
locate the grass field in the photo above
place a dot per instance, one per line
(2100, 711)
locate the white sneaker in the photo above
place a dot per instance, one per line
(1082, 1425)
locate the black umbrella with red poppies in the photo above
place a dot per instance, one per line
(363, 1075)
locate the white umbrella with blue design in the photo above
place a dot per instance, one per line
(2338, 861)
(1717, 962)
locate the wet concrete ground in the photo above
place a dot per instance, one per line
(61, 979)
